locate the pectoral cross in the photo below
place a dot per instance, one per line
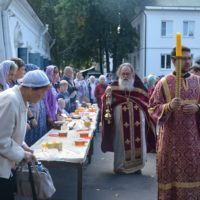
(128, 102)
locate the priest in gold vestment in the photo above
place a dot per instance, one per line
(178, 163)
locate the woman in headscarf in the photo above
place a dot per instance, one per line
(7, 72)
(81, 85)
(151, 81)
(50, 97)
(98, 93)
(39, 114)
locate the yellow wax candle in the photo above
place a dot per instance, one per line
(178, 44)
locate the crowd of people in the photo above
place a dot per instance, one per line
(31, 102)
(135, 117)
(64, 95)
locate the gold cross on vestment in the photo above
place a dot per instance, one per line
(136, 107)
(126, 124)
(127, 141)
(137, 140)
(137, 123)
(125, 108)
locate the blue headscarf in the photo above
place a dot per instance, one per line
(151, 80)
(31, 67)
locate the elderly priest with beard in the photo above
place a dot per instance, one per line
(125, 122)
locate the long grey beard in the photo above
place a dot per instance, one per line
(126, 85)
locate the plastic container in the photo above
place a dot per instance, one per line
(40, 167)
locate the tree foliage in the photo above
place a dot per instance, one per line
(86, 30)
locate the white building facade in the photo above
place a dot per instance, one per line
(22, 34)
(157, 27)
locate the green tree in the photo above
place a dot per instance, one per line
(86, 30)
(120, 37)
(46, 12)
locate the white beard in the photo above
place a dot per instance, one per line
(126, 85)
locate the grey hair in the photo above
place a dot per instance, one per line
(124, 65)
(91, 77)
(101, 77)
(67, 68)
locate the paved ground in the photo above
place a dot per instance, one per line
(99, 182)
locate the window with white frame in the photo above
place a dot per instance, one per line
(188, 28)
(166, 28)
(165, 61)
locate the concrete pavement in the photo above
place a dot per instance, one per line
(100, 183)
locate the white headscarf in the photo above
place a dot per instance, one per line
(4, 72)
(34, 79)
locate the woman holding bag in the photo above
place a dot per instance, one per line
(13, 118)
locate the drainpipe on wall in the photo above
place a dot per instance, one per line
(52, 43)
(46, 28)
(2, 42)
(145, 44)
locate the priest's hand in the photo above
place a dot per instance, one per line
(190, 108)
(175, 104)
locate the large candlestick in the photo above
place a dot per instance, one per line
(178, 45)
(178, 64)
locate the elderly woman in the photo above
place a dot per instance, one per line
(13, 117)
(91, 88)
(151, 81)
(98, 93)
(38, 112)
(82, 90)
(100, 89)
(50, 97)
(7, 72)
(69, 76)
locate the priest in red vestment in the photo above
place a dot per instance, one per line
(124, 117)
(178, 163)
